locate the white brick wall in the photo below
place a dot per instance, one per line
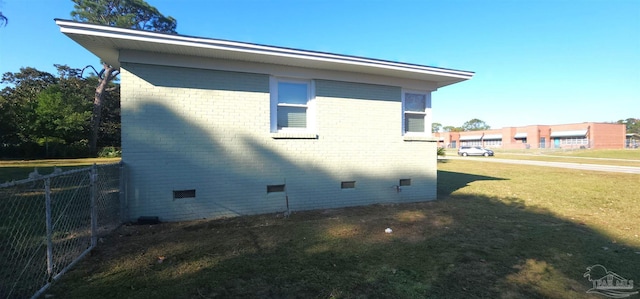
(209, 131)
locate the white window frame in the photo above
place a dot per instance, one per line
(311, 105)
(427, 114)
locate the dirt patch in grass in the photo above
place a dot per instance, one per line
(487, 236)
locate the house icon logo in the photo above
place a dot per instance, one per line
(608, 283)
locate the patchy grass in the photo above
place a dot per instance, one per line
(497, 231)
(20, 169)
(629, 154)
(570, 159)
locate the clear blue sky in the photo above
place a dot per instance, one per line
(536, 62)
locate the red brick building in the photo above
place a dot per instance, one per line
(581, 135)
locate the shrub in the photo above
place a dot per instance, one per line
(110, 152)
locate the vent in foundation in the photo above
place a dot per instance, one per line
(348, 184)
(178, 194)
(405, 182)
(275, 188)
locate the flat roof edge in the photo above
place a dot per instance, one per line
(73, 27)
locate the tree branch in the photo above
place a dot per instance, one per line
(86, 67)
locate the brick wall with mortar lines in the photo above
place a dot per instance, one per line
(209, 131)
(608, 135)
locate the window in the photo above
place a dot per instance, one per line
(415, 116)
(292, 105)
(471, 143)
(493, 142)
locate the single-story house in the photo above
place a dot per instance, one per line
(215, 128)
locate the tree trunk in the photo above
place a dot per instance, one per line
(97, 106)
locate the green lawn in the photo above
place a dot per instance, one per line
(505, 231)
(601, 157)
(633, 154)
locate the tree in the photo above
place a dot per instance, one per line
(436, 127)
(451, 129)
(38, 108)
(475, 125)
(134, 14)
(19, 102)
(632, 125)
(61, 116)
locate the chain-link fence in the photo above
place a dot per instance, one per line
(48, 223)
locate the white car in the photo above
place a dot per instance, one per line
(474, 151)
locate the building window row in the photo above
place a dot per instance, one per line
(471, 143)
(574, 140)
(493, 142)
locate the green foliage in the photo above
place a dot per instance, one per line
(19, 100)
(62, 116)
(451, 129)
(436, 127)
(632, 124)
(442, 151)
(46, 115)
(475, 125)
(134, 14)
(110, 152)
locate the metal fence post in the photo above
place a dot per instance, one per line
(94, 206)
(49, 225)
(29, 262)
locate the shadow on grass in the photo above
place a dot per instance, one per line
(449, 182)
(455, 247)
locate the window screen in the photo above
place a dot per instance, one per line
(293, 98)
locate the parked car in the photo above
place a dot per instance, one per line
(474, 151)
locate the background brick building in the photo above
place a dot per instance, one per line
(580, 135)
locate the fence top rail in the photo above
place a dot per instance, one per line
(54, 174)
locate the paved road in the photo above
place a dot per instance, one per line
(594, 167)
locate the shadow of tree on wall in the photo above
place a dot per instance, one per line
(184, 155)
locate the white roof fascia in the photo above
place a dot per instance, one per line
(470, 137)
(75, 29)
(492, 136)
(574, 133)
(520, 135)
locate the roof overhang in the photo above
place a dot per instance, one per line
(520, 136)
(106, 42)
(470, 137)
(492, 136)
(574, 133)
